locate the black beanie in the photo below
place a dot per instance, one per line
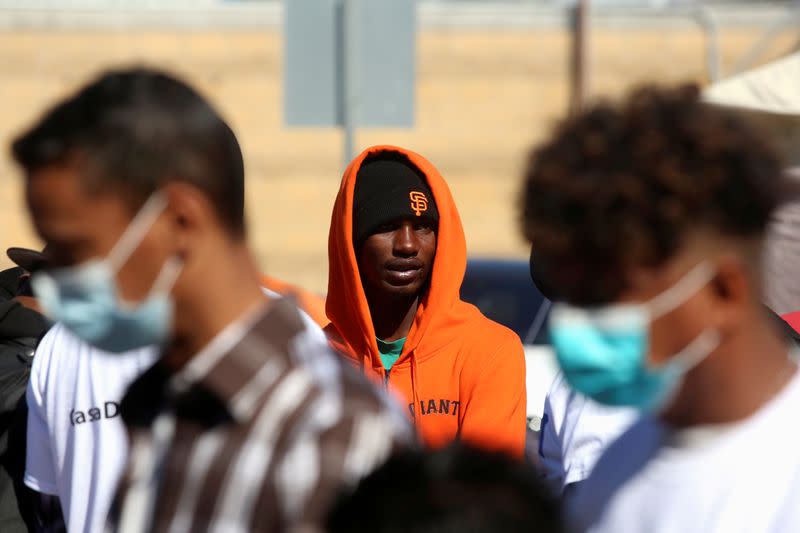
(389, 187)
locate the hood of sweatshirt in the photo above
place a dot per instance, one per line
(440, 308)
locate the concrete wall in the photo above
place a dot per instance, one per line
(484, 96)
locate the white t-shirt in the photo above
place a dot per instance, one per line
(740, 477)
(575, 432)
(77, 442)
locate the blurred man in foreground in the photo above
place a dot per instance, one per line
(578, 430)
(655, 213)
(246, 422)
(67, 371)
(397, 256)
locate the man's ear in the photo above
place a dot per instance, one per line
(733, 290)
(192, 213)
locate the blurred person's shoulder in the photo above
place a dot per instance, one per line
(310, 327)
(707, 473)
(57, 356)
(346, 424)
(621, 462)
(61, 357)
(576, 432)
(359, 393)
(337, 384)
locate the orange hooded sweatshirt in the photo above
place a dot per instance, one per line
(461, 375)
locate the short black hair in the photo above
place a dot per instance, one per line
(136, 129)
(622, 186)
(458, 489)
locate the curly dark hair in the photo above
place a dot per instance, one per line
(621, 186)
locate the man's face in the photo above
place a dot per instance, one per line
(79, 225)
(397, 259)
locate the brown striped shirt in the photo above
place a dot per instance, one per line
(257, 433)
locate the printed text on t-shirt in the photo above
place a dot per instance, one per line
(94, 414)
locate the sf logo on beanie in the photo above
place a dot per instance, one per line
(419, 203)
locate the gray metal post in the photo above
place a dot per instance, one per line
(350, 96)
(705, 18)
(579, 52)
(342, 72)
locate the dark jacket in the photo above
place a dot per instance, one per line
(20, 331)
(9, 282)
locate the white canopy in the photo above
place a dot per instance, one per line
(770, 94)
(772, 88)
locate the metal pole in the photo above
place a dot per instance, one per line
(350, 70)
(705, 18)
(579, 82)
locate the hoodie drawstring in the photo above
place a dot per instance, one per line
(415, 395)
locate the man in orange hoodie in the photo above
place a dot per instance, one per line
(397, 256)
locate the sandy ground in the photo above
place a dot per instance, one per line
(483, 98)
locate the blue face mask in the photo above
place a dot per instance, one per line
(85, 298)
(603, 352)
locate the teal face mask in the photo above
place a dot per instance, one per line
(85, 298)
(603, 352)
